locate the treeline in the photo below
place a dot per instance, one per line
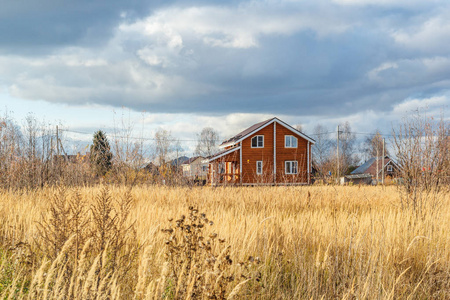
(35, 154)
(38, 154)
(32, 155)
(420, 145)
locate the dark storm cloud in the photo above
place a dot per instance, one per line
(37, 26)
(276, 57)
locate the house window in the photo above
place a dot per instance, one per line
(204, 168)
(221, 168)
(290, 167)
(389, 168)
(258, 141)
(259, 167)
(290, 141)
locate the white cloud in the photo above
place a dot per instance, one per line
(433, 104)
(414, 73)
(233, 27)
(56, 79)
(389, 3)
(151, 60)
(373, 74)
(207, 54)
(431, 35)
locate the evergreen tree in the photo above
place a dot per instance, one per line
(101, 155)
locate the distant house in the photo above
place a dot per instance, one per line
(71, 158)
(195, 168)
(152, 168)
(178, 162)
(269, 152)
(370, 171)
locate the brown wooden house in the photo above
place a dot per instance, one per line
(270, 152)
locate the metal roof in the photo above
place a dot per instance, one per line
(254, 128)
(222, 153)
(246, 131)
(191, 160)
(369, 167)
(355, 176)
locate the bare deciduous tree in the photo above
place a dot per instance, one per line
(163, 146)
(373, 146)
(347, 142)
(422, 148)
(322, 148)
(130, 155)
(207, 141)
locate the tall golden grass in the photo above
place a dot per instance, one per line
(275, 243)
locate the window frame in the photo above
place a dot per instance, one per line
(389, 168)
(259, 171)
(291, 163)
(290, 138)
(221, 168)
(257, 142)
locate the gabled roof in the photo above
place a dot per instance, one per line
(369, 167)
(358, 176)
(254, 128)
(178, 161)
(191, 160)
(246, 132)
(363, 168)
(222, 153)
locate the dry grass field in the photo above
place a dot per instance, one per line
(216, 243)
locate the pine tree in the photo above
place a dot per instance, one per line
(101, 155)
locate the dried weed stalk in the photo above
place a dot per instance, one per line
(199, 264)
(88, 247)
(66, 216)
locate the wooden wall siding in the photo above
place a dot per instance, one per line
(251, 155)
(232, 169)
(299, 154)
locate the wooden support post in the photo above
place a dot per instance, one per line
(382, 171)
(240, 161)
(274, 152)
(337, 155)
(308, 162)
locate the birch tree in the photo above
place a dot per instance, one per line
(207, 141)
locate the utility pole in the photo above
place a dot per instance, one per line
(337, 155)
(51, 150)
(57, 151)
(57, 142)
(382, 171)
(377, 164)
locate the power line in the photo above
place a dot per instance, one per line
(352, 132)
(217, 140)
(134, 137)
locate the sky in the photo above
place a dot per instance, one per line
(185, 65)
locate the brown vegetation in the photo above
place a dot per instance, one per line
(265, 242)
